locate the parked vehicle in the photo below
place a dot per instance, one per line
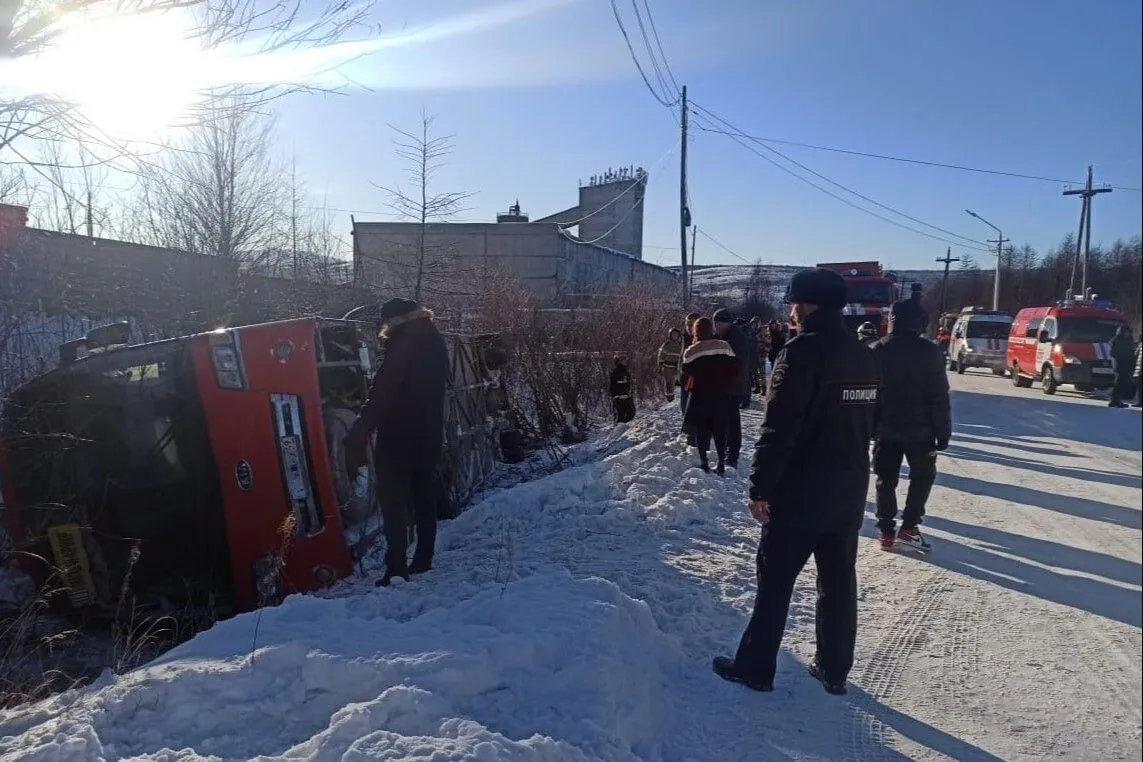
(870, 293)
(980, 340)
(209, 469)
(1067, 343)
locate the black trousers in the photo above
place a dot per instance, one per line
(624, 409)
(733, 429)
(407, 498)
(781, 556)
(887, 457)
(711, 422)
(1123, 390)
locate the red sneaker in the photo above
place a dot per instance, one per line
(911, 538)
(887, 539)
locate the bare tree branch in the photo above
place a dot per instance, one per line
(424, 156)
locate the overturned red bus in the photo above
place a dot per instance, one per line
(206, 469)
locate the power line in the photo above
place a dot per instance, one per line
(659, 45)
(722, 246)
(905, 160)
(847, 189)
(635, 59)
(735, 137)
(650, 50)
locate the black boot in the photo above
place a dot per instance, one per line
(834, 687)
(725, 668)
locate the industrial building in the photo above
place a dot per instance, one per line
(605, 252)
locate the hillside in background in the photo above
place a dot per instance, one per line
(732, 282)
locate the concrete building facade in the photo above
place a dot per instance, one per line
(544, 256)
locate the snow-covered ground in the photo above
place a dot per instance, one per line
(574, 617)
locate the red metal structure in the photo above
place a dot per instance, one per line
(870, 292)
(207, 466)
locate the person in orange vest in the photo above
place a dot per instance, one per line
(943, 338)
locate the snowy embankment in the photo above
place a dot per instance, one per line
(574, 617)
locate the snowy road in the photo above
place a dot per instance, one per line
(574, 617)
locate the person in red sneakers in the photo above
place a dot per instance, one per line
(915, 423)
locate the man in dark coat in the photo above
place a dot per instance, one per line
(915, 423)
(1123, 359)
(726, 329)
(1139, 374)
(619, 386)
(808, 485)
(405, 410)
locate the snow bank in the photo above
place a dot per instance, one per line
(512, 648)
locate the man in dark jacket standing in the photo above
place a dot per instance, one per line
(808, 485)
(915, 422)
(1123, 360)
(405, 409)
(726, 329)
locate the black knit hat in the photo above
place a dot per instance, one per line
(907, 315)
(817, 286)
(396, 307)
(722, 315)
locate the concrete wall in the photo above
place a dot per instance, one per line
(170, 292)
(616, 210)
(462, 259)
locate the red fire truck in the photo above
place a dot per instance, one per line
(870, 293)
(206, 468)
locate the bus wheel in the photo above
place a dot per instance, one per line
(355, 508)
(1048, 380)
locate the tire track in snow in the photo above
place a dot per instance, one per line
(1119, 676)
(868, 737)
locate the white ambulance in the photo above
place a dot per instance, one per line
(980, 340)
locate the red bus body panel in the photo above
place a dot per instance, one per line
(241, 427)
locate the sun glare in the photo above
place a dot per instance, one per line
(132, 76)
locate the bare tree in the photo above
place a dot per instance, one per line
(218, 190)
(424, 156)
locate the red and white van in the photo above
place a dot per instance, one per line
(1067, 343)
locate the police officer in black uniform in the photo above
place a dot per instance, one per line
(808, 485)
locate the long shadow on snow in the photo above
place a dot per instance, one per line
(1015, 417)
(1081, 507)
(1094, 596)
(1083, 474)
(962, 435)
(1045, 552)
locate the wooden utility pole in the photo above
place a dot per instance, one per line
(1087, 193)
(691, 282)
(684, 211)
(948, 259)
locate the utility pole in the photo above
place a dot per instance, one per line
(948, 259)
(1087, 193)
(691, 283)
(90, 220)
(684, 212)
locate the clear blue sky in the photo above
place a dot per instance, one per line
(538, 101)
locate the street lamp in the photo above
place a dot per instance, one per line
(999, 252)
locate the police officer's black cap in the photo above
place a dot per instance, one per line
(817, 286)
(396, 307)
(907, 314)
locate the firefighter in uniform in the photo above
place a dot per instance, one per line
(808, 485)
